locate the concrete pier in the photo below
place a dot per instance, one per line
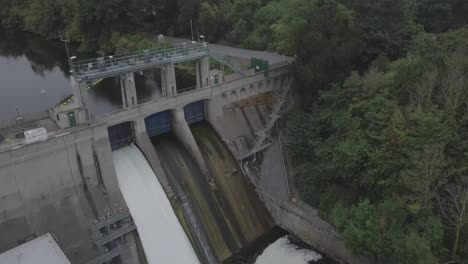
(54, 186)
(144, 143)
(128, 89)
(203, 72)
(168, 80)
(182, 131)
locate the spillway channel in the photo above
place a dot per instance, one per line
(162, 236)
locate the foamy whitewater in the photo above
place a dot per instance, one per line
(163, 239)
(282, 252)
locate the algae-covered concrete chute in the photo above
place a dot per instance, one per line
(180, 167)
(232, 189)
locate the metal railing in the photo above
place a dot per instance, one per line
(186, 89)
(263, 139)
(235, 68)
(149, 56)
(149, 100)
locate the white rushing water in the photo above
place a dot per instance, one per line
(282, 252)
(162, 236)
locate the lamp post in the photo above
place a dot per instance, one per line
(191, 28)
(70, 61)
(65, 40)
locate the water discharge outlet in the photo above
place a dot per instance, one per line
(162, 236)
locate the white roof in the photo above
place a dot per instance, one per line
(36, 131)
(43, 249)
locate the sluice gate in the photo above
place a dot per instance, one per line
(121, 135)
(195, 112)
(158, 123)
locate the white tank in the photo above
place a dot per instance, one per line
(35, 135)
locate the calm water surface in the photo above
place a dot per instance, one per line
(34, 76)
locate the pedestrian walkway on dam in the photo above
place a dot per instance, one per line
(224, 50)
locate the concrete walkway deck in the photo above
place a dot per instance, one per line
(238, 52)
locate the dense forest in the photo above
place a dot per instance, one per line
(380, 136)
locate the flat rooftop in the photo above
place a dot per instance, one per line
(43, 249)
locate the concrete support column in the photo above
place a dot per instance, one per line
(106, 166)
(182, 131)
(79, 91)
(197, 72)
(144, 143)
(214, 110)
(168, 80)
(128, 90)
(203, 72)
(80, 99)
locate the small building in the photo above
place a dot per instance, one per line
(216, 77)
(35, 135)
(43, 249)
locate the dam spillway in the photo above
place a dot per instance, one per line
(216, 197)
(162, 236)
(231, 187)
(180, 166)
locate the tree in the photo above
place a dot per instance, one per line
(416, 250)
(453, 204)
(362, 231)
(240, 15)
(326, 48)
(426, 174)
(209, 20)
(389, 27)
(454, 88)
(441, 15)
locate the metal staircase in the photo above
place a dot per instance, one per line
(108, 233)
(287, 175)
(235, 68)
(263, 138)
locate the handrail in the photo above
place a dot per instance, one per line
(137, 58)
(153, 100)
(156, 50)
(230, 65)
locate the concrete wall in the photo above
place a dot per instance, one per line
(26, 118)
(236, 126)
(236, 115)
(144, 143)
(42, 191)
(304, 222)
(61, 185)
(172, 186)
(58, 186)
(224, 93)
(182, 131)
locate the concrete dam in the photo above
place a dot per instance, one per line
(175, 178)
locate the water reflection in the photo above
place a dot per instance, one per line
(44, 55)
(34, 76)
(105, 96)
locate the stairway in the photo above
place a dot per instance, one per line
(287, 174)
(235, 68)
(263, 139)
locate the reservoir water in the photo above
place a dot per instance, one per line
(34, 76)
